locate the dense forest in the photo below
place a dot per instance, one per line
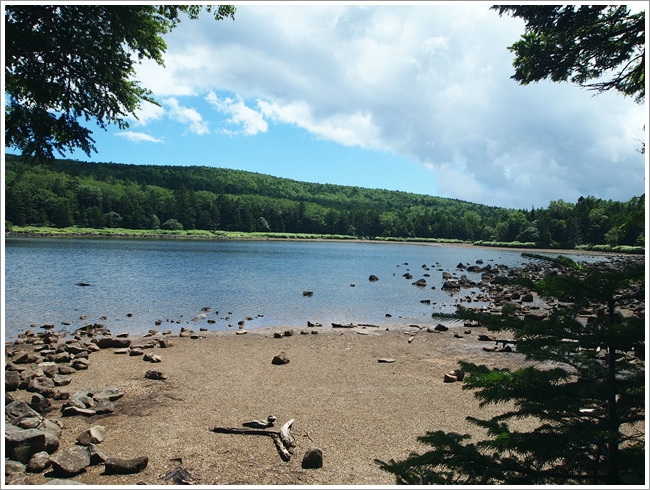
(67, 193)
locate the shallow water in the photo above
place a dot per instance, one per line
(174, 279)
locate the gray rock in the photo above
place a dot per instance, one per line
(12, 380)
(39, 462)
(155, 375)
(313, 458)
(53, 426)
(84, 396)
(111, 394)
(30, 422)
(67, 370)
(103, 406)
(373, 278)
(20, 445)
(280, 358)
(96, 456)
(120, 466)
(24, 357)
(40, 384)
(71, 461)
(18, 409)
(80, 364)
(17, 479)
(136, 352)
(40, 403)
(12, 466)
(61, 380)
(94, 435)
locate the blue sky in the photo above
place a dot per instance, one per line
(412, 97)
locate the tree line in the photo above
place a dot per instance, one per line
(109, 195)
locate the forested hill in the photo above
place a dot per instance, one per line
(240, 182)
(97, 195)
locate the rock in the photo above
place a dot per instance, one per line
(112, 394)
(449, 378)
(85, 397)
(120, 466)
(460, 375)
(373, 278)
(277, 335)
(80, 364)
(103, 405)
(111, 342)
(314, 332)
(122, 335)
(61, 380)
(527, 298)
(165, 343)
(94, 435)
(280, 358)
(12, 380)
(388, 360)
(450, 285)
(17, 410)
(29, 422)
(40, 403)
(420, 283)
(155, 375)
(152, 358)
(17, 479)
(241, 332)
(20, 445)
(96, 456)
(313, 458)
(71, 461)
(67, 370)
(135, 352)
(39, 462)
(24, 357)
(13, 467)
(441, 328)
(288, 333)
(486, 338)
(308, 293)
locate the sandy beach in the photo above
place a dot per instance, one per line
(341, 398)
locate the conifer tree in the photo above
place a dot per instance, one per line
(584, 388)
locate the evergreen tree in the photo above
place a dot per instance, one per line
(585, 390)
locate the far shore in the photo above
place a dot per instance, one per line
(292, 237)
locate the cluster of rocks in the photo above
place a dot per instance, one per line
(32, 440)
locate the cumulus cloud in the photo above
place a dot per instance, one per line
(148, 112)
(136, 137)
(429, 82)
(187, 115)
(251, 121)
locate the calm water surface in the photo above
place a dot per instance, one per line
(174, 279)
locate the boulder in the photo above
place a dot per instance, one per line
(373, 278)
(103, 405)
(80, 364)
(71, 411)
(12, 380)
(527, 298)
(18, 409)
(313, 458)
(121, 466)
(39, 462)
(61, 380)
(96, 456)
(40, 403)
(94, 435)
(420, 283)
(20, 445)
(71, 461)
(111, 394)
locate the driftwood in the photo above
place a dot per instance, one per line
(282, 438)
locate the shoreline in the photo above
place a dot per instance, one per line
(344, 401)
(27, 235)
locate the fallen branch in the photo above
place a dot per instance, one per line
(282, 438)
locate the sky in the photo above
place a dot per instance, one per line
(412, 97)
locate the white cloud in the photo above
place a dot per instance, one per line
(430, 82)
(136, 137)
(346, 129)
(148, 112)
(186, 115)
(251, 120)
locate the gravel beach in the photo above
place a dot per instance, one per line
(342, 399)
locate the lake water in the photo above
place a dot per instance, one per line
(174, 279)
